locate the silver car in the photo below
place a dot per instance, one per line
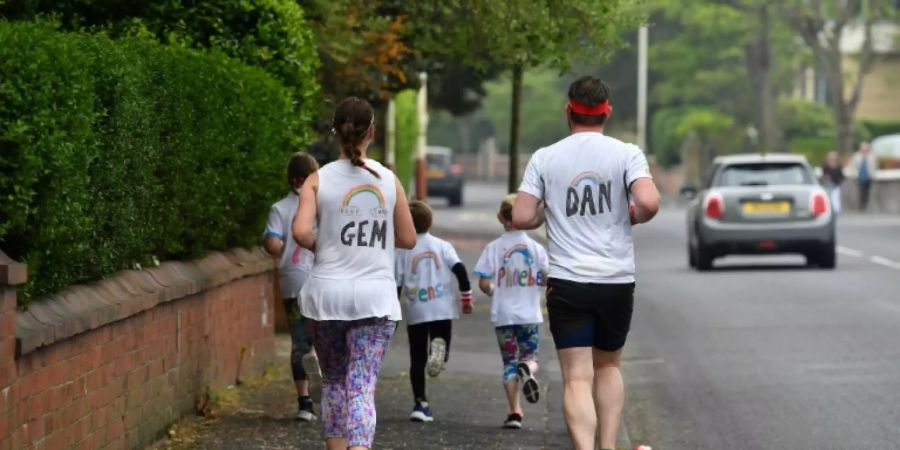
(760, 204)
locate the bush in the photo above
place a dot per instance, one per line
(880, 128)
(117, 153)
(814, 148)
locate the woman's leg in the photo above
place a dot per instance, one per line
(418, 355)
(367, 340)
(330, 341)
(506, 339)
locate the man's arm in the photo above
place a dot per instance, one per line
(528, 212)
(646, 200)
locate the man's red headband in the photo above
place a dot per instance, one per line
(597, 110)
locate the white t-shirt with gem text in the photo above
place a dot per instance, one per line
(514, 262)
(425, 276)
(296, 261)
(584, 181)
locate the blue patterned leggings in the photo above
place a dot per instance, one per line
(350, 355)
(518, 343)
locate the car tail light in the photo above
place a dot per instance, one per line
(456, 169)
(715, 206)
(818, 203)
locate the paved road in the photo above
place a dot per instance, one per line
(761, 353)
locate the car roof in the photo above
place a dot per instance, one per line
(437, 150)
(758, 158)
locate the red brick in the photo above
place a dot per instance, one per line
(100, 417)
(7, 324)
(7, 373)
(34, 431)
(5, 444)
(5, 424)
(116, 444)
(94, 380)
(57, 440)
(115, 430)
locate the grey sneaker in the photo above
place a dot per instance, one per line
(436, 357)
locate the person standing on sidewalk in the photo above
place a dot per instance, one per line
(832, 177)
(592, 189)
(424, 275)
(518, 264)
(293, 270)
(359, 212)
(865, 164)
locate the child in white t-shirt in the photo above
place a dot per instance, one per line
(424, 283)
(512, 270)
(295, 264)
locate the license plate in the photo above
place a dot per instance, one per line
(766, 208)
(436, 173)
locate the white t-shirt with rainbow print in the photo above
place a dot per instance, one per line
(515, 263)
(425, 276)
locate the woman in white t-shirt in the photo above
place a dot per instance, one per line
(360, 213)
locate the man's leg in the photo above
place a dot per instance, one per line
(418, 354)
(578, 403)
(609, 394)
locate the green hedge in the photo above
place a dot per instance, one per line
(118, 153)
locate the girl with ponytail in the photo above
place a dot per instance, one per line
(360, 215)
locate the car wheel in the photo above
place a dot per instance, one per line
(455, 199)
(692, 256)
(704, 259)
(827, 257)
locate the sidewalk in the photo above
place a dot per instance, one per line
(467, 399)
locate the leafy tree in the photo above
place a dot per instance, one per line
(518, 35)
(822, 25)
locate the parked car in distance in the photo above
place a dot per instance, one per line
(445, 179)
(760, 204)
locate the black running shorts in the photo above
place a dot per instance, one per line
(589, 314)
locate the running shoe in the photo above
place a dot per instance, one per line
(530, 387)
(437, 356)
(310, 363)
(513, 421)
(305, 411)
(421, 413)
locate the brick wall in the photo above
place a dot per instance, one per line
(117, 385)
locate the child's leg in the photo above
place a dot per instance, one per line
(300, 345)
(442, 329)
(506, 339)
(418, 355)
(367, 340)
(330, 341)
(528, 338)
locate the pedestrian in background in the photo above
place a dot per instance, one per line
(866, 165)
(592, 188)
(294, 265)
(512, 270)
(424, 276)
(359, 212)
(832, 177)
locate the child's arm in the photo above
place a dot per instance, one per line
(273, 246)
(465, 287)
(305, 220)
(273, 236)
(486, 286)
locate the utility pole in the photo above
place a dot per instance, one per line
(421, 144)
(390, 156)
(643, 38)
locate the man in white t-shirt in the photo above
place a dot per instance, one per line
(591, 189)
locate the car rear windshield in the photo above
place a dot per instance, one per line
(437, 161)
(764, 174)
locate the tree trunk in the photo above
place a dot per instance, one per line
(841, 110)
(759, 64)
(516, 113)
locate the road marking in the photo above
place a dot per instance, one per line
(882, 261)
(844, 251)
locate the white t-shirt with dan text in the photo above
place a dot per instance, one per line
(514, 262)
(584, 181)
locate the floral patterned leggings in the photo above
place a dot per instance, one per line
(518, 343)
(350, 355)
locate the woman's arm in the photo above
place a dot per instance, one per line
(404, 230)
(305, 220)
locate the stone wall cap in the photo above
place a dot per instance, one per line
(82, 308)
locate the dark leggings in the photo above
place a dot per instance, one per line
(301, 344)
(420, 336)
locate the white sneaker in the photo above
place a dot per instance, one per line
(436, 357)
(306, 416)
(310, 363)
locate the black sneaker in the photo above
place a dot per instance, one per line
(513, 421)
(530, 387)
(305, 411)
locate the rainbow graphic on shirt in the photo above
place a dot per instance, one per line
(370, 189)
(423, 257)
(512, 275)
(521, 249)
(591, 177)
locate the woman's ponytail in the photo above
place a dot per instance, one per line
(353, 118)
